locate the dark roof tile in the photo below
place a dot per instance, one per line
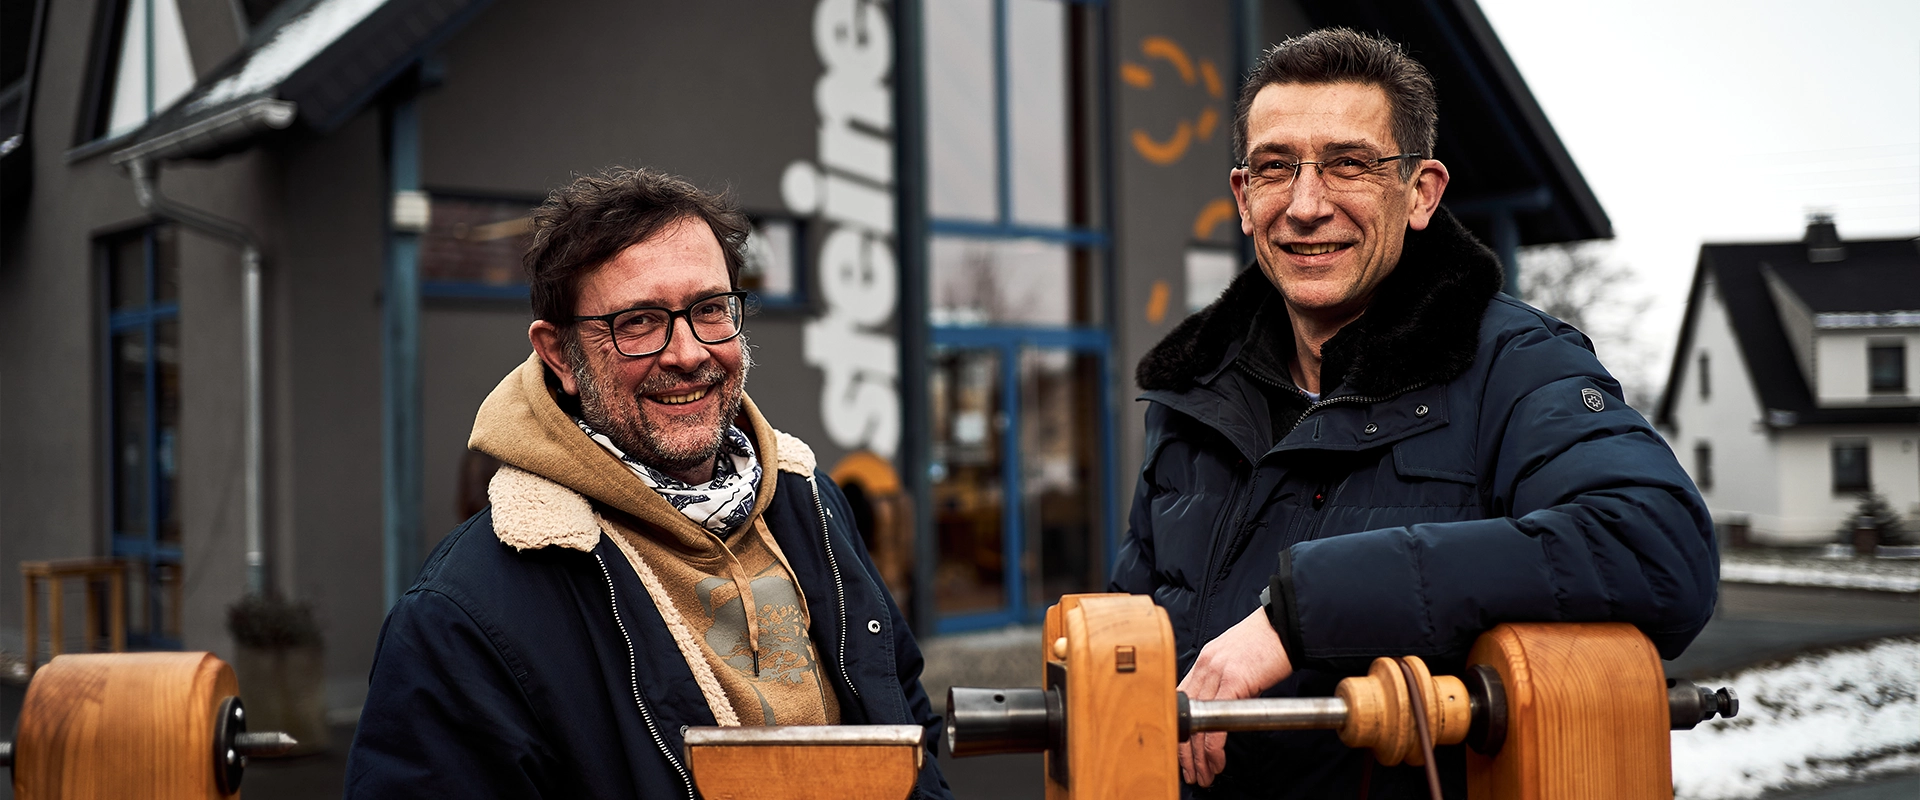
(1876, 275)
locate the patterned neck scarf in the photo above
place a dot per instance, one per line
(719, 505)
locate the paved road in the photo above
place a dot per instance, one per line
(1754, 624)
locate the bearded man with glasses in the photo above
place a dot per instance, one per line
(1363, 449)
(656, 554)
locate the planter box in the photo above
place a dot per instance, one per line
(284, 689)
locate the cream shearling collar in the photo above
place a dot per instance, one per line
(531, 512)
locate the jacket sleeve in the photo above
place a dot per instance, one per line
(1593, 520)
(444, 716)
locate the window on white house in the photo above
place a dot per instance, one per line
(1850, 466)
(1703, 465)
(1706, 385)
(1887, 367)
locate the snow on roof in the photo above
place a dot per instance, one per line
(294, 44)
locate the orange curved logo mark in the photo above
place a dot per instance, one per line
(1157, 299)
(1192, 73)
(1216, 211)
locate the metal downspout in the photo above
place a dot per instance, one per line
(145, 174)
(401, 444)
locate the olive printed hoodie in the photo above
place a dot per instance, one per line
(557, 487)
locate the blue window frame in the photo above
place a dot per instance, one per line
(142, 379)
(1020, 386)
(777, 269)
(472, 247)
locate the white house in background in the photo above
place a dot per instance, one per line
(1796, 383)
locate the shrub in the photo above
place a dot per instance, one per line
(267, 620)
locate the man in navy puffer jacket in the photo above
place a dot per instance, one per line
(1362, 449)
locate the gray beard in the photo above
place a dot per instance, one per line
(637, 435)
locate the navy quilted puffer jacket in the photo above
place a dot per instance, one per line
(1470, 463)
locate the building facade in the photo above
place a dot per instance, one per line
(1792, 391)
(259, 262)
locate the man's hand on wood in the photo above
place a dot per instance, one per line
(1243, 662)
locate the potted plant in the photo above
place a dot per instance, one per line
(1875, 524)
(281, 665)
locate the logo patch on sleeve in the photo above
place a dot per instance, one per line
(1593, 399)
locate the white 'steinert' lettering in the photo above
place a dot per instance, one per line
(851, 192)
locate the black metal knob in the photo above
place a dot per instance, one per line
(989, 721)
(1689, 704)
(233, 745)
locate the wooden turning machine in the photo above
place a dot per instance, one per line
(119, 725)
(1549, 711)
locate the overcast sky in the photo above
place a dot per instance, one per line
(1719, 121)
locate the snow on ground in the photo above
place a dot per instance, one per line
(1802, 568)
(1836, 716)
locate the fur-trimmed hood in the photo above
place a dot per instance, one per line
(551, 473)
(1422, 327)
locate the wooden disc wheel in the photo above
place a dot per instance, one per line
(118, 725)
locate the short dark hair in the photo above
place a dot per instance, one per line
(1341, 55)
(587, 222)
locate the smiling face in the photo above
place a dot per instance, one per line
(669, 410)
(1327, 245)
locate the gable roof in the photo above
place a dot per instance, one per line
(326, 57)
(1876, 276)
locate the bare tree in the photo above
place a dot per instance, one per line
(1580, 284)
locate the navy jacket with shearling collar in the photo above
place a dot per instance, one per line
(548, 672)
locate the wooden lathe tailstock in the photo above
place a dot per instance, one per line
(1550, 711)
(168, 726)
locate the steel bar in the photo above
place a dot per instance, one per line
(1267, 714)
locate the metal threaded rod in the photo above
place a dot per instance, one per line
(1262, 714)
(264, 744)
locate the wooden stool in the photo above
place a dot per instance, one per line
(92, 572)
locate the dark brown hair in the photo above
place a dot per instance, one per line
(589, 221)
(1341, 55)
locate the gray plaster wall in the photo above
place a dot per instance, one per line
(327, 300)
(466, 348)
(721, 93)
(1157, 204)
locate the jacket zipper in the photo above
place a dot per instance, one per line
(633, 678)
(839, 587)
(1351, 398)
(1233, 544)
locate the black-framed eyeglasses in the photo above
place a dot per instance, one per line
(645, 330)
(1339, 170)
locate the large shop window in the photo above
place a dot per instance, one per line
(1020, 411)
(142, 372)
(474, 246)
